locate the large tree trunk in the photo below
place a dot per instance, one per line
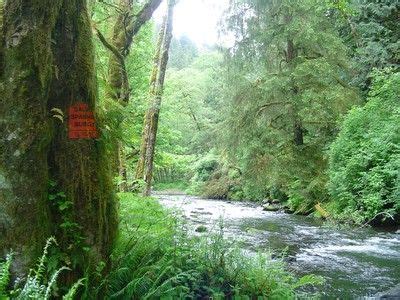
(117, 74)
(1, 34)
(146, 161)
(49, 64)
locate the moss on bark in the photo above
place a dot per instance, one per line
(25, 127)
(80, 166)
(49, 63)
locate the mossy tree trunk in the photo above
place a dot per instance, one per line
(126, 27)
(48, 64)
(146, 160)
(140, 167)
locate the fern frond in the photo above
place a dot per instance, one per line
(72, 291)
(5, 275)
(41, 269)
(53, 281)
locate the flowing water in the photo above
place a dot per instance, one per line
(354, 262)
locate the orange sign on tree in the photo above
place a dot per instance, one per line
(82, 124)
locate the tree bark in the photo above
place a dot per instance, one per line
(1, 35)
(123, 186)
(147, 118)
(48, 63)
(156, 91)
(298, 131)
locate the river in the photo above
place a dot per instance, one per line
(355, 262)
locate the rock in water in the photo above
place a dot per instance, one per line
(271, 207)
(201, 229)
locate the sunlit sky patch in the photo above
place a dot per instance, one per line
(197, 19)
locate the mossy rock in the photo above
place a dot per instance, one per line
(271, 207)
(201, 229)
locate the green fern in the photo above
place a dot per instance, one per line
(36, 286)
(41, 268)
(74, 289)
(5, 275)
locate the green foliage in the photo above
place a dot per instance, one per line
(183, 52)
(286, 89)
(70, 295)
(173, 169)
(189, 114)
(69, 232)
(123, 123)
(365, 158)
(5, 276)
(37, 285)
(178, 186)
(155, 258)
(205, 167)
(373, 33)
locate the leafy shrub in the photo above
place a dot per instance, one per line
(205, 167)
(364, 161)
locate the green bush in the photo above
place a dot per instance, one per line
(205, 167)
(155, 258)
(364, 161)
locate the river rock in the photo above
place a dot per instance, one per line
(201, 229)
(397, 232)
(271, 207)
(266, 201)
(288, 210)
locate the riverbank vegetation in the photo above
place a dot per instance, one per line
(155, 257)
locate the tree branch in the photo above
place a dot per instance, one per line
(125, 83)
(117, 8)
(139, 20)
(108, 45)
(265, 106)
